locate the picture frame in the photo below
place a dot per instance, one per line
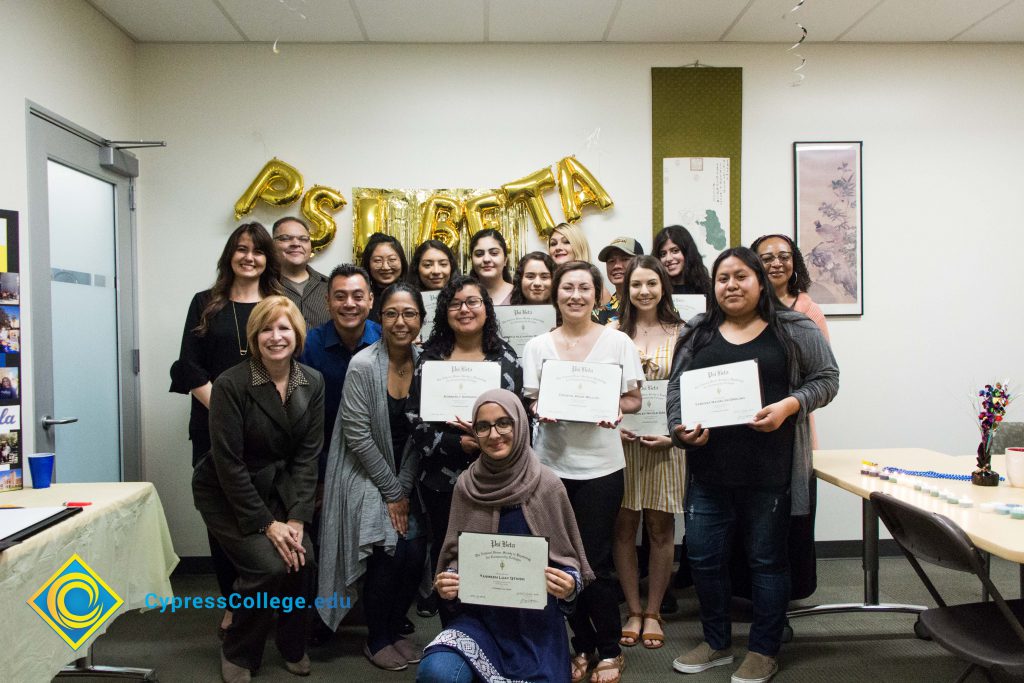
(829, 226)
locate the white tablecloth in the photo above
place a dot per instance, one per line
(122, 536)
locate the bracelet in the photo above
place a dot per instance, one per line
(263, 529)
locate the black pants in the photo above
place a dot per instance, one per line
(438, 505)
(595, 623)
(389, 589)
(261, 571)
(223, 569)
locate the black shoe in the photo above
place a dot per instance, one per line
(427, 607)
(407, 627)
(669, 605)
(319, 634)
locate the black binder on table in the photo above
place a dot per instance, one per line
(34, 528)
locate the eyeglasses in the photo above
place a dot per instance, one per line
(503, 425)
(285, 239)
(472, 303)
(392, 261)
(781, 257)
(391, 315)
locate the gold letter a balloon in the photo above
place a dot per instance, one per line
(278, 183)
(571, 172)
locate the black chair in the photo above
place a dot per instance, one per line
(989, 635)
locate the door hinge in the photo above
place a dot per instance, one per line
(136, 362)
(131, 196)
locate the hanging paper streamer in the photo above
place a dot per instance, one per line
(803, 36)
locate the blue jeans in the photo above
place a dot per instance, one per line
(713, 515)
(444, 666)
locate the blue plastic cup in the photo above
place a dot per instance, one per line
(41, 466)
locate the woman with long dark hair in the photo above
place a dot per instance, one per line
(748, 479)
(433, 264)
(384, 259)
(588, 458)
(654, 477)
(372, 526)
(465, 329)
(214, 340)
(675, 248)
(531, 282)
(489, 253)
(788, 273)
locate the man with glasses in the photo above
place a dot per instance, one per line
(304, 286)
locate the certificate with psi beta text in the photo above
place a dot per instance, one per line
(578, 391)
(520, 324)
(720, 396)
(448, 388)
(430, 304)
(652, 419)
(689, 305)
(503, 570)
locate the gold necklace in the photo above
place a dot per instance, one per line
(242, 350)
(573, 344)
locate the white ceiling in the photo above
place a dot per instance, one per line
(564, 21)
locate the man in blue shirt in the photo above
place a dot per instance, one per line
(330, 347)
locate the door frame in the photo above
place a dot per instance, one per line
(44, 130)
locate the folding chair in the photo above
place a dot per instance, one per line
(989, 635)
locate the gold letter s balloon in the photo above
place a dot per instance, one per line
(531, 191)
(319, 205)
(483, 212)
(278, 184)
(368, 219)
(571, 172)
(447, 230)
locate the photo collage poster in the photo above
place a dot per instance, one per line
(11, 459)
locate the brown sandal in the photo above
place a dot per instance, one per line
(657, 639)
(580, 667)
(618, 664)
(632, 636)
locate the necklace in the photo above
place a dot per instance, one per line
(573, 344)
(242, 350)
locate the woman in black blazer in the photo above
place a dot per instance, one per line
(255, 487)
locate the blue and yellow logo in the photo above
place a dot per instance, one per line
(75, 602)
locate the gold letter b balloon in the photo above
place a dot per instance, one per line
(278, 183)
(319, 205)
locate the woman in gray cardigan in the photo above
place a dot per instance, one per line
(371, 526)
(746, 480)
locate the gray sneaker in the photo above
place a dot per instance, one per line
(756, 668)
(701, 658)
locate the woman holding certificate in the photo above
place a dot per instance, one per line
(489, 252)
(507, 491)
(655, 482)
(746, 478)
(465, 329)
(371, 521)
(531, 283)
(675, 248)
(586, 452)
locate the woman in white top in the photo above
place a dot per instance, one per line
(588, 457)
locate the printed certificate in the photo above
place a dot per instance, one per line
(503, 570)
(652, 419)
(580, 392)
(430, 304)
(720, 396)
(689, 305)
(448, 389)
(520, 324)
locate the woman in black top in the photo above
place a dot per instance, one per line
(675, 248)
(746, 479)
(214, 340)
(465, 329)
(532, 280)
(384, 259)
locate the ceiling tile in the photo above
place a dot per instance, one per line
(268, 20)
(1006, 25)
(566, 21)
(674, 22)
(772, 21)
(423, 21)
(153, 21)
(920, 20)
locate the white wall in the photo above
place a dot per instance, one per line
(69, 59)
(942, 162)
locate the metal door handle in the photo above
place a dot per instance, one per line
(50, 421)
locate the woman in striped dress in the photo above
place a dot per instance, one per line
(654, 481)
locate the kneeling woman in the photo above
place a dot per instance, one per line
(507, 490)
(255, 487)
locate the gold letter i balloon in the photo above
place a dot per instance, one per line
(278, 183)
(319, 205)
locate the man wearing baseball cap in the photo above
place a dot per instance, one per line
(616, 257)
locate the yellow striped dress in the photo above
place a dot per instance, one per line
(655, 480)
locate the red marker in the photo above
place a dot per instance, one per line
(76, 504)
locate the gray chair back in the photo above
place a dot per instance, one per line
(1008, 434)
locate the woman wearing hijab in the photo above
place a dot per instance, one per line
(506, 490)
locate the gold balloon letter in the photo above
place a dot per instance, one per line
(531, 191)
(484, 212)
(278, 184)
(433, 227)
(319, 205)
(368, 219)
(571, 172)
